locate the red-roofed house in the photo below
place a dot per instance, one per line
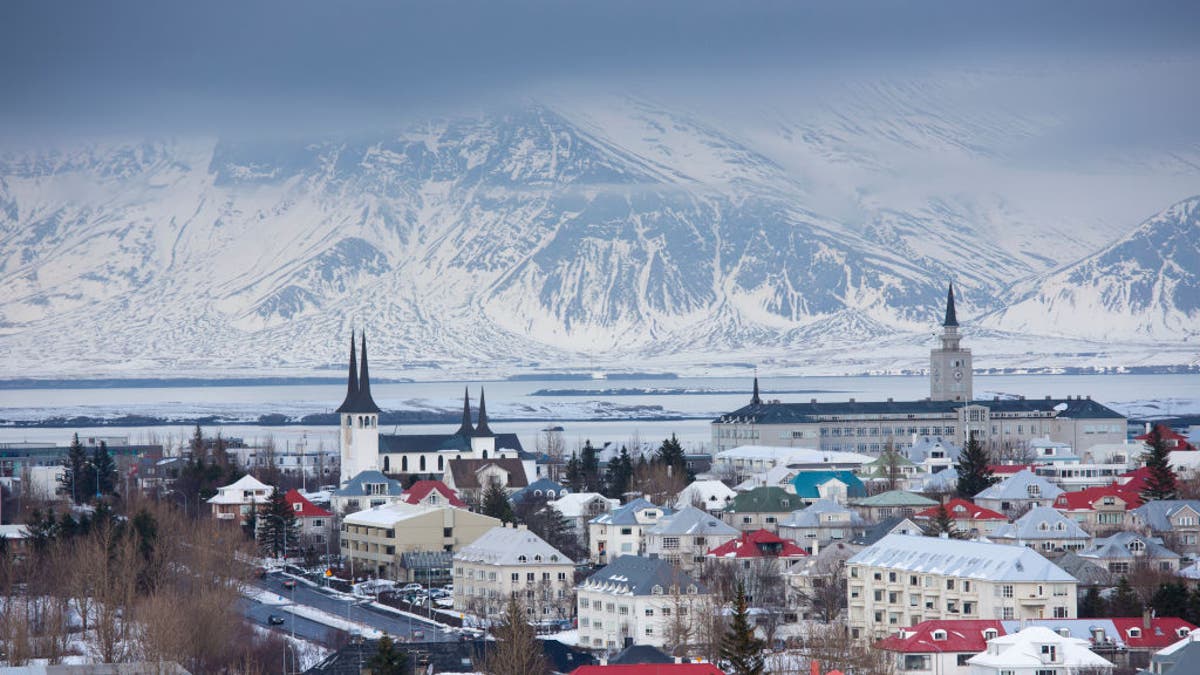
(758, 545)
(314, 521)
(1099, 510)
(432, 493)
(1009, 469)
(969, 518)
(941, 647)
(1174, 439)
(651, 669)
(1135, 481)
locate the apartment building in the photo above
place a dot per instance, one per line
(513, 562)
(902, 580)
(375, 539)
(620, 533)
(684, 537)
(638, 600)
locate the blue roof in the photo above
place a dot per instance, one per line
(354, 486)
(626, 515)
(807, 482)
(549, 490)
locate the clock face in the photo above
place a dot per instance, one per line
(958, 374)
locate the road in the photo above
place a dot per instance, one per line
(396, 625)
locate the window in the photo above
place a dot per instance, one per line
(1006, 591)
(1008, 614)
(939, 635)
(962, 660)
(916, 662)
(649, 611)
(1061, 613)
(670, 542)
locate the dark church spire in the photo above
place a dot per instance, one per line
(363, 403)
(351, 381)
(951, 317)
(465, 428)
(755, 399)
(482, 429)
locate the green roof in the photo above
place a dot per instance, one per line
(766, 499)
(883, 460)
(896, 498)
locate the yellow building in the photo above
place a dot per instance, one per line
(375, 539)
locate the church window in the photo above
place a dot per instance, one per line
(387, 464)
(422, 463)
(404, 465)
(441, 463)
(485, 454)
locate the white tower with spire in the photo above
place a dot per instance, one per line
(359, 437)
(950, 365)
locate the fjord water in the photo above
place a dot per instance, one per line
(516, 408)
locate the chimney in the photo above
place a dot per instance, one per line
(1147, 614)
(889, 399)
(852, 400)
(812, 400)
(1047, 397)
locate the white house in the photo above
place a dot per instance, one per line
(580, 507)
(1037, 650)
(684, 537)
(1024, 489)
(620, 532)
(236, 500)
(642, 600)
(710, 495)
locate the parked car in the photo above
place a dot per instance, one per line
(275, 620)
(412, 588)
(289, 584)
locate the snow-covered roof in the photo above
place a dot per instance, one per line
(1157, 514)
(925, 445)
(776, 475)
(693, 521)
(1119, 547)
(810, 516)
(1041, 522)
(627, 515)
(235, 492)
(953, 557)
(712, 493)
(1017, 486)
(388, 515)
(511, 546)
(572, 505)
(1023, 650)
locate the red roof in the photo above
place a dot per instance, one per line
(307, 509)
(1163, 631)
(1006, 469)
(1136, 480)
(1174, 439)
(750, 545)
(962, 635)
(421, 489)
(1085, 499)
(960, 509)
(651, 669)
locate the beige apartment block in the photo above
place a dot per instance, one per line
(375, 539)
(513, 562)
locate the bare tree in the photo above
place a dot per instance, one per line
(680, 622)
(517, 651)
(825, 593)
(550, 442)
(661, 482)
(830, 643)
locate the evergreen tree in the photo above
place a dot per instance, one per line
(549, 523)
(104, 471)
(517, 650)
(75, 472)
(619, 475)
(589, 467)
(496, 504)
(387, 659)
(1125, 601)
(974, 476)
(278, 531)
(1170, 600)
(741, 650)
(1092, 605)
(943, 523)
(573, 474)
(196, 445)
(671, 454)
(1160, 484)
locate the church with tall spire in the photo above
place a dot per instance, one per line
(363, 448)
(950, 375)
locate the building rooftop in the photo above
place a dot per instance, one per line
(952, 557)
(692, 521)
(1022, 650)
(765, 499)
(511, 546)
(961, 509)
(637, 575)
(758, 544)
(304, 508)
(896, 498)
(1122, 545)
(1023, 484)
(810, 516)
(1041, 522)
(421, 489)
(627, 514)
(356, 486)
(806, 483)
(809, 413)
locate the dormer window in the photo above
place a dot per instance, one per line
(1065, 632)
(991, 634)
(1181, 632)
(1135, 632)
(657, 590)
(1136, 546)
(939, 635)
(537, 558)
(297, 507)
(1034, 491)
(522, 559)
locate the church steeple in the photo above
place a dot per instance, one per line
(351, 381)
(465, 430)
(482, 428)
(363, 403)
(755, 399)
(951, 317)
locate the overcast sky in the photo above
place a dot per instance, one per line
(72, 68)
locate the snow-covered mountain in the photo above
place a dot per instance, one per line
(542, 237)
(1144, 286)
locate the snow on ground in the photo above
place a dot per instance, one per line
(333, 621)
(567, 637)
(264, 597)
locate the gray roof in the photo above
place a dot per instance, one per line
(807, 413)
(924, 445)
(1041, 522)
(1157, 514)
(1116, 547)
(1086, 571)
(1016, 487)
(354, 486)
(636, 575)
(398, 443)
(547, 487)
(1186, 660)
(810, 516)
(511, 546)
(882, 529)
(692, 521)
(626, 515)
(636, 654)
(954, 557)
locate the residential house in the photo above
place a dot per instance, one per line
(940, 647)
(1172, 520)
(970, 519)
(239, 499)
(933, 454)
(684, 537)
(711, 495)
(1045, 530)
(1173, 439)
(1020, 491)
(1100, 510)
(893, 525)
(760, 509)
(820, 523)
(759, 547)
(505, 562)
(580, 507)
(432, 493)
(779, 476)
(470, 477)
(1178, 658)
(636, 600)
(620, 532)
(902, 580)
(892, 503)
(805, 577)
(1087, 572)
(541, 490)
(892, 468)
(374, 539)
(1037, 651)
(366, 489)
(1124, 552)
(837, 486)
(314, 522)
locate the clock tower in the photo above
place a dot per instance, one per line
(950, 365)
